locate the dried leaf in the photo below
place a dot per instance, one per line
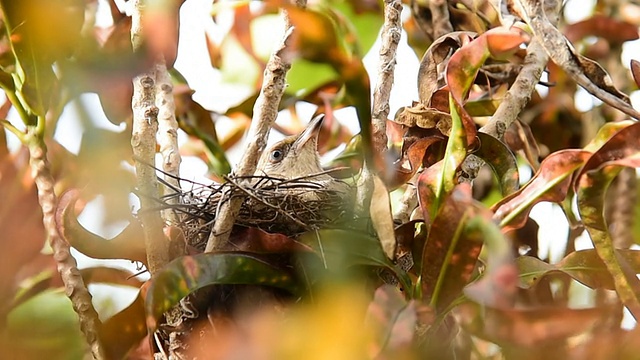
(425, 118)
(434, 62)
(381, 217)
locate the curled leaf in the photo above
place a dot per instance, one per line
(127, 245)
(550, 183)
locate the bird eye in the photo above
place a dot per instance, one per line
(277, 155)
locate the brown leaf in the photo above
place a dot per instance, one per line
(613, 30)
(394, 321)
(635, 71)
(449, 250)
(23, 233)
(381, 217)
(259, 241)
(527, 328)
(434, 62)
(109, 275)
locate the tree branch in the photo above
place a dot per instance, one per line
(74, 286)
(167, 134)
(265, 112)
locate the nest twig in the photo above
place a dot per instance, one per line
(289, 207)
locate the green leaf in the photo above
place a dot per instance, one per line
(41, 33)
(439, 180)
(622, 150)
(190, 273)
(45, 324)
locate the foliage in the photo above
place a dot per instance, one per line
(454, 269)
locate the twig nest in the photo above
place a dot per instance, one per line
(289, 207)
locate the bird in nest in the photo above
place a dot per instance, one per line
(290, 193)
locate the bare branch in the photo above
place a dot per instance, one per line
(143, 142)
(265, 112)
(391, 31)
(167, 132)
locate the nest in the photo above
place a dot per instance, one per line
(289, 207)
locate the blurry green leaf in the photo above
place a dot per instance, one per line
(363, 25)
(605, 133)
(190, 273)
(550, 183)
(36, 46)
(340, 249)
(44, 327)
(305, 75)
(501, 160)
(622, 150)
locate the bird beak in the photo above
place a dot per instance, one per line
(309, 134)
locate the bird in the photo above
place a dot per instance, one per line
(296, 158)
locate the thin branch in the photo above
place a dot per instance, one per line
(391, 31)
(74, 286)
(265, 112)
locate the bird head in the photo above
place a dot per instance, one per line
(295, 156)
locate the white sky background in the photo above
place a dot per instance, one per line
(193, 63)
